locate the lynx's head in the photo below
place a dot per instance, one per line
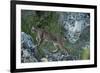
(33, 29)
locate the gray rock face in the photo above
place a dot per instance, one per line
(74, 23)
(58, 56)
(26, 41)
(27, 48)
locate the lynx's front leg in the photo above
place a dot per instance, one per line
(39, 37)
(55, 45)
(60, 47)
(38, 40)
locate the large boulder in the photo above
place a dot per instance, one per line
(58, 56)
(74, 23)
(27, 48)
(26, 41)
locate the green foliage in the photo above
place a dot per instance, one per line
(45, 20)
(85, 54)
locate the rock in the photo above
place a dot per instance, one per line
(44, 60)
(33, 59)
(74, 23)
(27, 48)
(58, 56)
(26, 41)
(26, 53)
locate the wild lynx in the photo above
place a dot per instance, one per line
(45, 36)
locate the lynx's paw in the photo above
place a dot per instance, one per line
(55, 50)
